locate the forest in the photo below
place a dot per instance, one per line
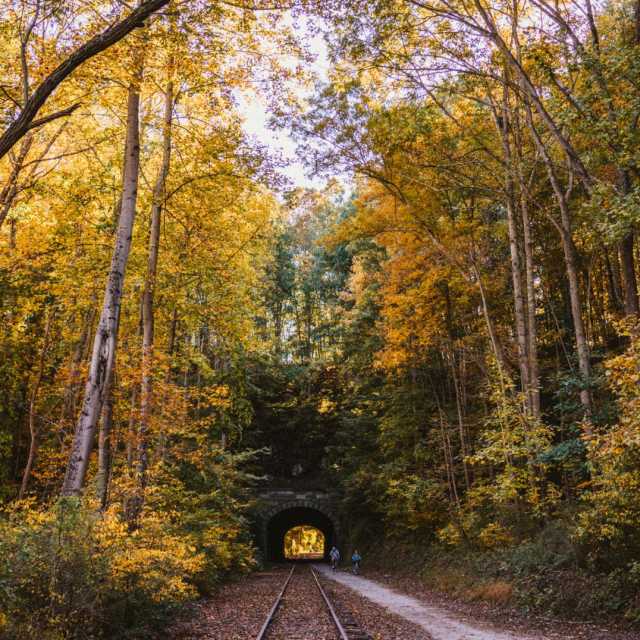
(441, 322)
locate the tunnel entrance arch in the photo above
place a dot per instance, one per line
(281, 510)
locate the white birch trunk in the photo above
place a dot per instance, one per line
(104, 345)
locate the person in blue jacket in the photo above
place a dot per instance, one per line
(356, 559)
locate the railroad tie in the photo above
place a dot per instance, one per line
(354, 632)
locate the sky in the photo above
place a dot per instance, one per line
(255, 112)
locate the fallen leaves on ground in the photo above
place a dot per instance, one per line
(236, 612)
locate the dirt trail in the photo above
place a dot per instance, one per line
(438, 622)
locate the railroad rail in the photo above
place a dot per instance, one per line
(276, 605)
(345, 624)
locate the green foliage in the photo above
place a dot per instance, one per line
(609, 523)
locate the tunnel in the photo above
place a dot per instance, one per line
(282, 521)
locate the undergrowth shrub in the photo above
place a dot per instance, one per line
(608, 524)
(71, 572)
(547, 574)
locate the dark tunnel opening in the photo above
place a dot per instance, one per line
(285, 520)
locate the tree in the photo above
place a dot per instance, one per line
(104, 344)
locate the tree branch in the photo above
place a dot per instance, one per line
(24, 122)
(53, 116)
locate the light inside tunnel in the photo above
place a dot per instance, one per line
(304, 543)
(292, 516)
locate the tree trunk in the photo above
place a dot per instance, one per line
(491, 329)
(582, 348)
(532, 327)
(514, 249)
(630, 284)
(456, 386)
(146, 387)
(308, 325)
(162, 437)
(613, 282)
(571, 262)
(104, 345)
(131, 431)
(104, 446)
(69, 402)
(33, 399)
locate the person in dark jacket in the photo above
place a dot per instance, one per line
(334, 556)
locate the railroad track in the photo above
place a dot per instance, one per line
(345, 624)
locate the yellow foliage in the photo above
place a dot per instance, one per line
(495, 536)
(495, 591)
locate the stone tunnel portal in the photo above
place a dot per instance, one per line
(282, 521)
